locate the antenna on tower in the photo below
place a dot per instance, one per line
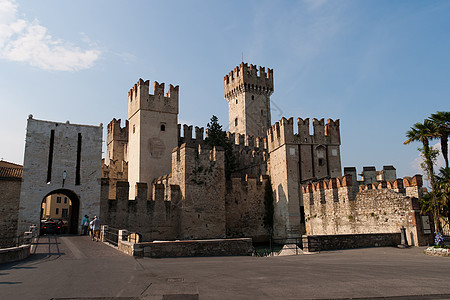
(242, 56)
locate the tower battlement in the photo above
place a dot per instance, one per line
(139, 97)
(282, 132)
(116, 132)
(188, 136)
(245, 78)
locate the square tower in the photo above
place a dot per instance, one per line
(153, 132)
(247, 91)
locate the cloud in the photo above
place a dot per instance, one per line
(29, 42)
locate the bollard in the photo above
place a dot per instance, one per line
(404, 241)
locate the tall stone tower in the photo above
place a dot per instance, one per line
(247, 91)
(153, 132)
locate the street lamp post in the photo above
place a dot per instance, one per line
(64, 175)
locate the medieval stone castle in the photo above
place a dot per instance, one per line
(167, 185)
(163, 180)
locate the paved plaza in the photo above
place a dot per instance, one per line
(74, 267)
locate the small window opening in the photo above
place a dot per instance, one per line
(321, 162)
(163, 127)
(58, 199)
(262, 113)
(236, 101)
(236, 122)
(134, 128)
(57, 211)
(253, 97)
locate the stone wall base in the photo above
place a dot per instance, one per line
(14, 253)
(313, 243)
(215, 247)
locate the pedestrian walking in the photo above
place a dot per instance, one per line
(96, 229)
(85, 225)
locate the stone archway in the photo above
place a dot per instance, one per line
(74, 212)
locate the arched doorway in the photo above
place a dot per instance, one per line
(61, 207)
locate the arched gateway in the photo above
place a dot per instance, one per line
(60, 158)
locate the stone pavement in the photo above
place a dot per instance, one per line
(74, 267)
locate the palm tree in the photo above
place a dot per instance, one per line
(443, 193)
(442, 121)
(424, 133)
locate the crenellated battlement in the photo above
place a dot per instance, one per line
(341, 189)
(248, 78)
(371, 175)
(139, 97)
(237, 180)
(196, 155)
(116, 132)
(244, 140)
(282, 132)
(188, 135)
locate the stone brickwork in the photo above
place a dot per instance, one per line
(245, 207)
(216, 247)
(334, 207)
(10, 182)
(251, 154)
(51, 150)
(314, 243)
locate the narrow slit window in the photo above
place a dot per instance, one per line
(50, 156)
(77, 174)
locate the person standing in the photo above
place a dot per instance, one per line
(96, 229)
(85, 225)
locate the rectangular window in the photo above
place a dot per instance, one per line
(58, 199)
(50, 156)
(77, 174)
(57, 211)
(64, 213)
(65, 200)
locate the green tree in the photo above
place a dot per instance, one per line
(424, 132)
(217, 137)
(442, 121)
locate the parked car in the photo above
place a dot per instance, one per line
(50, 227)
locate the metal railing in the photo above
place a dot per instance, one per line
(111, 235)
(276, 245)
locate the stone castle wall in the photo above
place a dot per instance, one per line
(192, 202)
(9, 205)
(295, 159)
(245, 207)
(335, 207)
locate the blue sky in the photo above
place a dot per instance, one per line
(378, 66)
